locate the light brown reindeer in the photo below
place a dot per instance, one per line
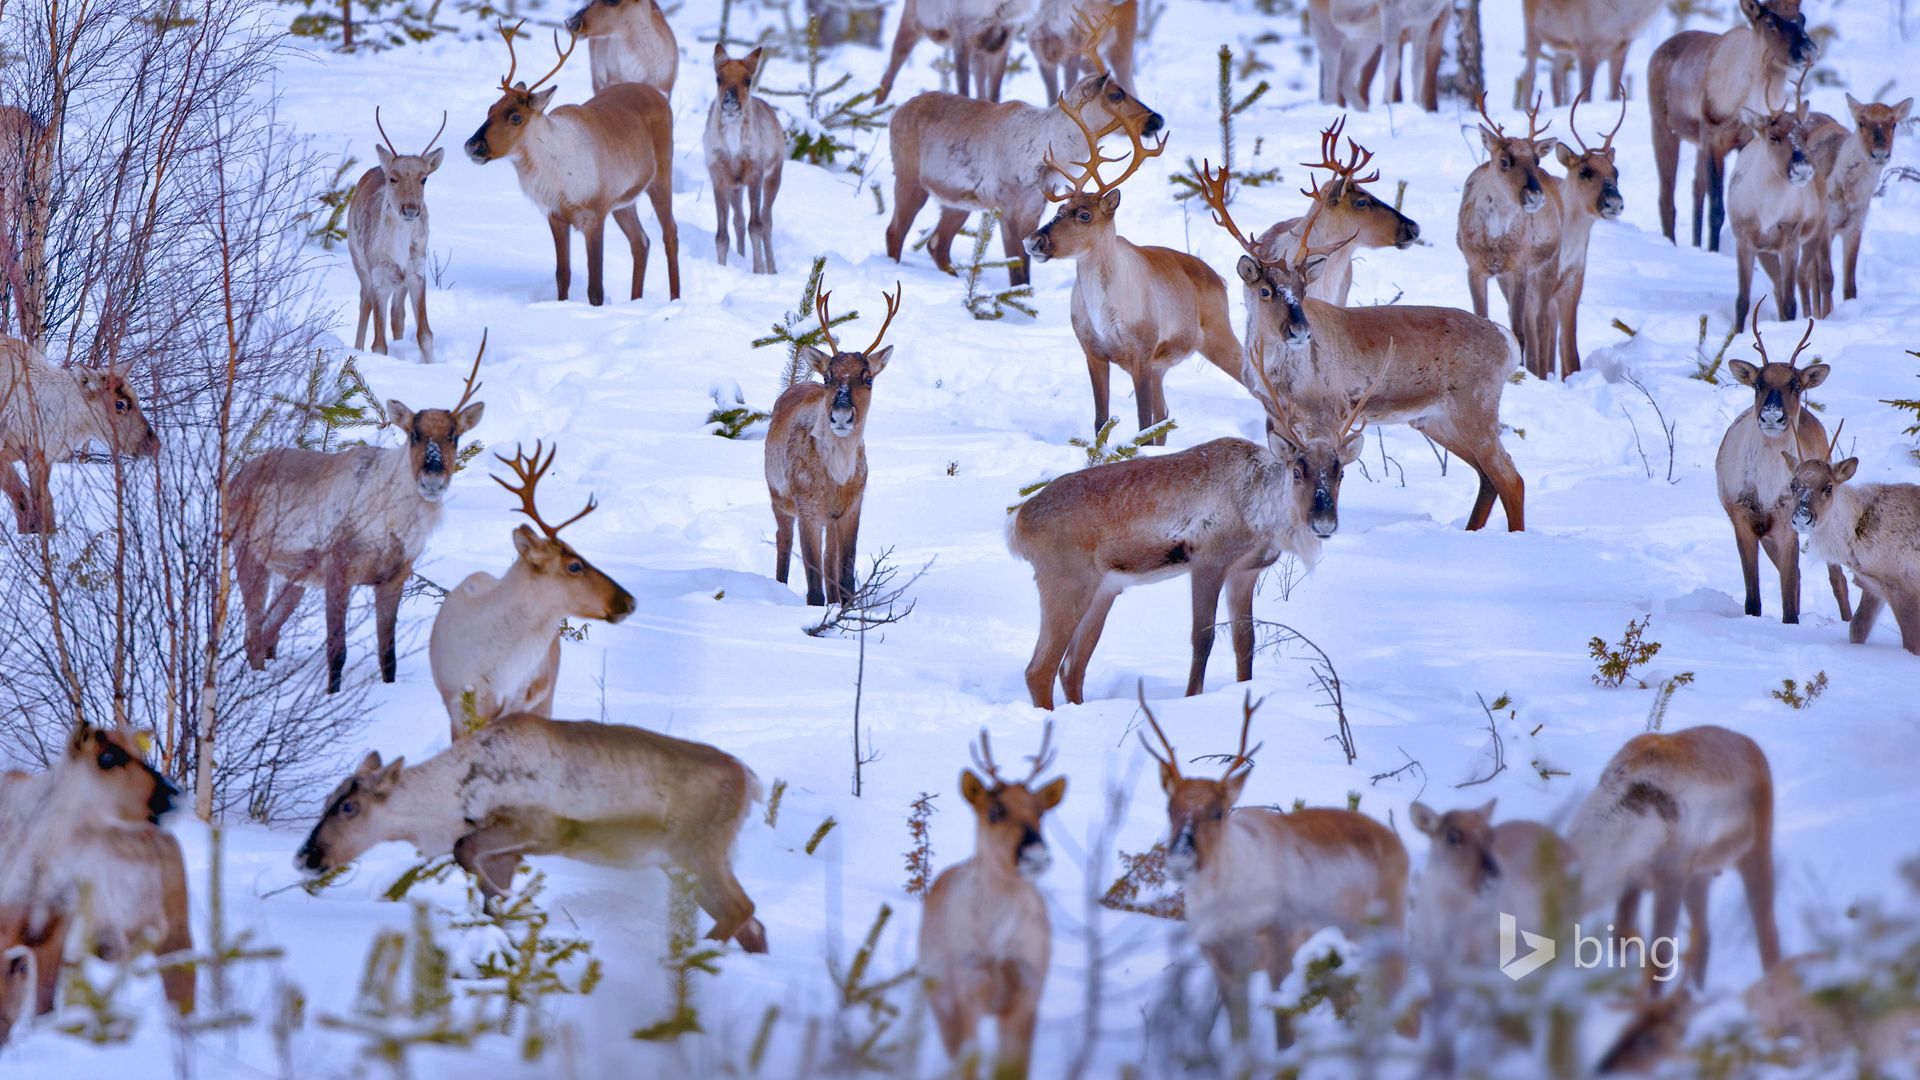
(1353, 36)
(1586, 31)
(1670, 812)
(359, 516)
(1697, 85)
(1849, 163)
(971, 155)
(525, 785)
(1590, 192)
(817, 460)
(387, 239)
(1260, 882)
(1871, 529)
(47, 414)
(628, 41)
(496, 641)
(745, 148)
(978, 33)
(1344, 217)
(985, 940)
(1061, 39)
(1142, 309)
(1753, 480)
(1777, 207)
(581, 163)
(26, 180)
(1510, 225)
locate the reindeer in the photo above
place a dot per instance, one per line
(1143, 309)
(1778, 207)
(496, 641)
(1670, 812)
(745, 148)
(1849, 163)
(1753, 482)
(1260, 882)
(387, 238)
(971, 155)
(1872, 529)
(817, 460)
(1059, 39)
(976, 32)
(1810, 1026)
(1344, 216)
(359, 516)
(985, 940)
(1353, 36)
(1697, 86)
(1587, 31)
(628, 41)
(26, 183)
(1479, 874)
(1590, 192)
(524, 785)
(1452, 366)
(49, 413)
(1510, 225)
(580, 163)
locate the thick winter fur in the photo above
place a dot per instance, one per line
(1348, 212)
(525, 785)
(1590, 192)
(745, 149)
(817, 469)
(978, 34)
(1670, 812)
(1059, 44)
(26, 166)
(1509, 230)
(1849, 163)
(1354, 35)
(1873, 530)
(972, 155)
(354, 517)
(1697, 85)
(48, 413)
(628, 41)
(1586, 31)
(387, 238)
(1777, 205)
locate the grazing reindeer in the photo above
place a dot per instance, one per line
(628, 41)
(387, 238)
(581, 163)
(359, 516)
(1670, 812)
(26, 181)
(1777, 207)
(1260, 882)
(1479, 874)
(1446, 382)
(1590, 192)
(1143, 309)
(524, 785)
(1872, 529)
(1850, 162)
(1060, 37)
(496, 641)
(1345, 212)
(48, 413)
(745, 148)
(977, 32)
(971, 155)
(1510, 225)
(985, 940)
(1697, 86)
(817, 460)
(1754, 482)
(1587, 31)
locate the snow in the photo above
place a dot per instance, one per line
(1418, 615)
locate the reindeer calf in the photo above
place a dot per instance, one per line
(1873, 530)
(48, 413)
(387, 239)
(745, 149)
(1850, 162)
(1775, 206)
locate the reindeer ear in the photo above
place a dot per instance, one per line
(1423, 817)
(1751, 9)
(1793, 463)
(971, 789)
(1854, 107)
(385, 155)
(468, 419)
(1844, 471)
(383, 781)
(79, 737)
(370, 763)
(1489, 139)
(1564, 154)
(719, 56)
(541, 97)
(1249, 270)
(1169, 778)
(399, 415)
(1901, 110)
(1051, 795)
(1814, 376)
(1757, 121)
(753, 64)
(1110, 202)
(1351, 447)
(1234, 783)
(819, 361)
(1543, 148)
(523, 541)
(434, 157)
(1313, 267)
(1487, 810)
(1743, 373)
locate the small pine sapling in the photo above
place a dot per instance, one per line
(774, 796)
(784, 331)
(1663, 696)
(377, 25)
(1616, 662)
(1910, 406)
(686, 954)
(992, 305)
(1146, 873)
(406, 998)
(812, 138)
(1707, 369)
(1188, 184)
(920, 854)
(1499, 748)
(1796, 696)
(525, 964)
(1100, 453)
(329, 223)
(866, 1011)
(820, 834)
(734, 421)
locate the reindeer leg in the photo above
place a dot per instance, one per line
(904, 39)
(492, 854)
(1743, 283)
(1865, 612)
(1231, 976)
(423, 334)
(386, 611)
(1477, 288)
(1850, 251)
(1747, 542)
(846, 540)
(1100, 374)
(811, 541)
(782, 542)
(1701, 167)
(47, 959)
(769, 187)
(23, 507)
(1207, 581)
(1240, 585)
(178, 940)
(1716, 195)
(1015, 227)
(719, 894)
(337, 593)
(1756, 873)
(1666, 159)
(751, 228)
(628, 218)
(1783, 547)
(660, 194)
(380, 304)
(725, 191)
(1669, 890)
(367, 303)
(1016, 1031)
(254, 581)
(909, 195)
(593, 226)
(941, 247)
(1073, 674)
(1838, 579)
(1064, 600)
(397, 306)
(1698, 941)
(562, 253)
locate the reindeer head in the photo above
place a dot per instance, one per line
(1516, 161)
(433, 435)
(520, 105)
(352, 821)
(406, 174)
(1085, 219)
(1592, 177)
(849, 375)
(110, 764)
(1100, 96)
(1781, 136)
(1783, 30)
(1875, 125)
(1346, 204)
(602, 17)
(735, 79)
(123, 427)
(589, 593)
(1777, 388)
(1197, 808)
(1462, 843)
(1007, 814)
(1317, 446)
(1811, 489)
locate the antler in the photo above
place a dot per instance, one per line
(436, 135)
(1243, 756)
(1281, 411)
(1042, 760)
(893, 306)
(1498, 130)
(530, 470)
(573, 39)
(1343, 172)
(983, 758)
(1172, 759)
(472, 387)
(1353, 414)
(1834, 443)
(826, 322)
(1092, 31)
(388, 139)
(1089, 170)
(1574, 130)
(1802, 347)
(513, 61)
(1213, 189)
(1533, 115)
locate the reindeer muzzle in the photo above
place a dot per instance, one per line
(410, 212)
(1612, 203)
(1324, 519)
(1040, 244)
(476, 147)
(1182, 860)
(620, 606)
(1034, 859)
(1155, 122)
(1803, 519)
(1804, 49)
(842, 416)
(1532, 197)
(1799, 170)
(161, 801)
(1772, 417)
(149, 444)
(1408, 235)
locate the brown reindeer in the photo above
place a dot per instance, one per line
(1142, 309)
(971, 155)
(628, 41)
(745, 149)
(978, 34)
(1671, 811)
(1777, 207)
(1260, 882)
(496, 641)
(359, 516)
(1586, 31)
(1849, 164)
(47, 414)
(387, 239)
(1063, 33)
(1871, 529)
(1697, 85)
(1344, 216)
(1590, 192)
(1753, 481)
(985, 940)
(26, 180)
(581, 163)
(1352, 36)
(525, 785)
(817, 460)
(1510, 225)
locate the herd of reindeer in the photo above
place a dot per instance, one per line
(82, 855)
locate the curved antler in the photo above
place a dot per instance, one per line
(1278, 408)
(1802, 347)
(826, 322)
(1243, 757)
(893, 306)
(1533, 115)
(1171, 761)
(1089, 170)
(1092, 31)
(573, 39)
(1498, 130)
(983, 758)
(1213, 189)
(388, 139)
(1043, 759)
(436, 135)
(1574, 129)
(530, 470)
(1343, 173)
(513, 61)
(1353, 414)
(472, 387)
(1834, 443)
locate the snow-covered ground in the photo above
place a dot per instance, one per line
(1418, 615)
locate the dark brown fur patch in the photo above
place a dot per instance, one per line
(1642, 797)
